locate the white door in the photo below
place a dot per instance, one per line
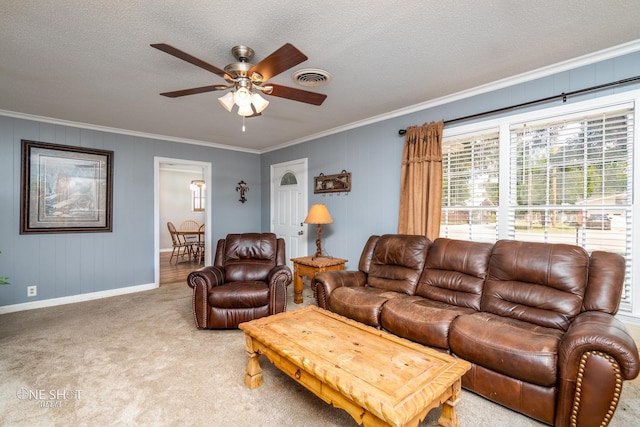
(289, 206)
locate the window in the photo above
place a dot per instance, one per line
(288, 179)
(562, 175)
(573, 175)
(197, 196)
(470, 186)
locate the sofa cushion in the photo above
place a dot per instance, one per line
(367, 253)
(533, 400)
(421, 320)
(249, 256)
(397, 262)
(226, 318)
(361, 303)
(454, 272)
(539, 283)
(239, 295)
(606, 282)
(508, 346)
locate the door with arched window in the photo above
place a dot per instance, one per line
(289, 205)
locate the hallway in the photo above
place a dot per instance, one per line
(172, 273)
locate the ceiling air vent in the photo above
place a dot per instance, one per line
(311, 77)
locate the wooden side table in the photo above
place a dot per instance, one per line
(308, 267)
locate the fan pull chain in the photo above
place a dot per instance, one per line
(243, 128)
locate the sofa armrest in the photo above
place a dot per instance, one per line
(208, 277)
(280, 274)
(595, 356)
(279, 278)
(201, 281)
(326, 282)
(598, 331)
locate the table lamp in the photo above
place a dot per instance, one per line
(318, 214)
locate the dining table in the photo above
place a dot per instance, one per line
(190, 232)
(196, 233)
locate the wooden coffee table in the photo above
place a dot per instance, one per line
(378, 378)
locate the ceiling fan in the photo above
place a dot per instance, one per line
(247, 79)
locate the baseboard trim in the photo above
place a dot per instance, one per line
(76, 298)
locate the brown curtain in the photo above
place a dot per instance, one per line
(421, 181)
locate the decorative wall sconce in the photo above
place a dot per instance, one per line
(242, 188)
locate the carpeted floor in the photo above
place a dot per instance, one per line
(138, 359)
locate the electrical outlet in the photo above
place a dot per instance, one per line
(32, 291)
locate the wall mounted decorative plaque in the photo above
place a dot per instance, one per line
(340, 182)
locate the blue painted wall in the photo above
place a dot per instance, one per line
(372, 153)
(70, 264)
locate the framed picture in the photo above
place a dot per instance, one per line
(65, 189)
(337, 183)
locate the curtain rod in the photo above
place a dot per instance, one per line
(563, 95)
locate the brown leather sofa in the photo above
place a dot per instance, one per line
(248, 280)
(535, 320)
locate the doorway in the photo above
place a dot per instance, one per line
(289, 193)
(203, 170)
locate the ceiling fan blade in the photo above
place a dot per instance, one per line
(281, 60)
(190, 58)
(297, 94)
(193, 91)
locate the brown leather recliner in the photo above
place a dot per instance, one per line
(248, 280)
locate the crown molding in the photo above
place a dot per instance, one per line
(133, 133)
(591, 58)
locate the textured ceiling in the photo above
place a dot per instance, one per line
(90, 61)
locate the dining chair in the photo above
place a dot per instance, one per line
(190, 239)
(179, 247)
(200, 244)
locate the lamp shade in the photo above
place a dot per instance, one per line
(259, 102)
(245, 110)
(227, 101)
(318, 214)
(242, 97)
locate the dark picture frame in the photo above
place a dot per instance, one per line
(65, 189)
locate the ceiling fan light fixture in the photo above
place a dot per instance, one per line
(227, 101)
(259, 102)
(245, 110)
(246, 79)
(242, 97)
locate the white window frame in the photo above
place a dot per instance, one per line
(502, 124)
(198, 198)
